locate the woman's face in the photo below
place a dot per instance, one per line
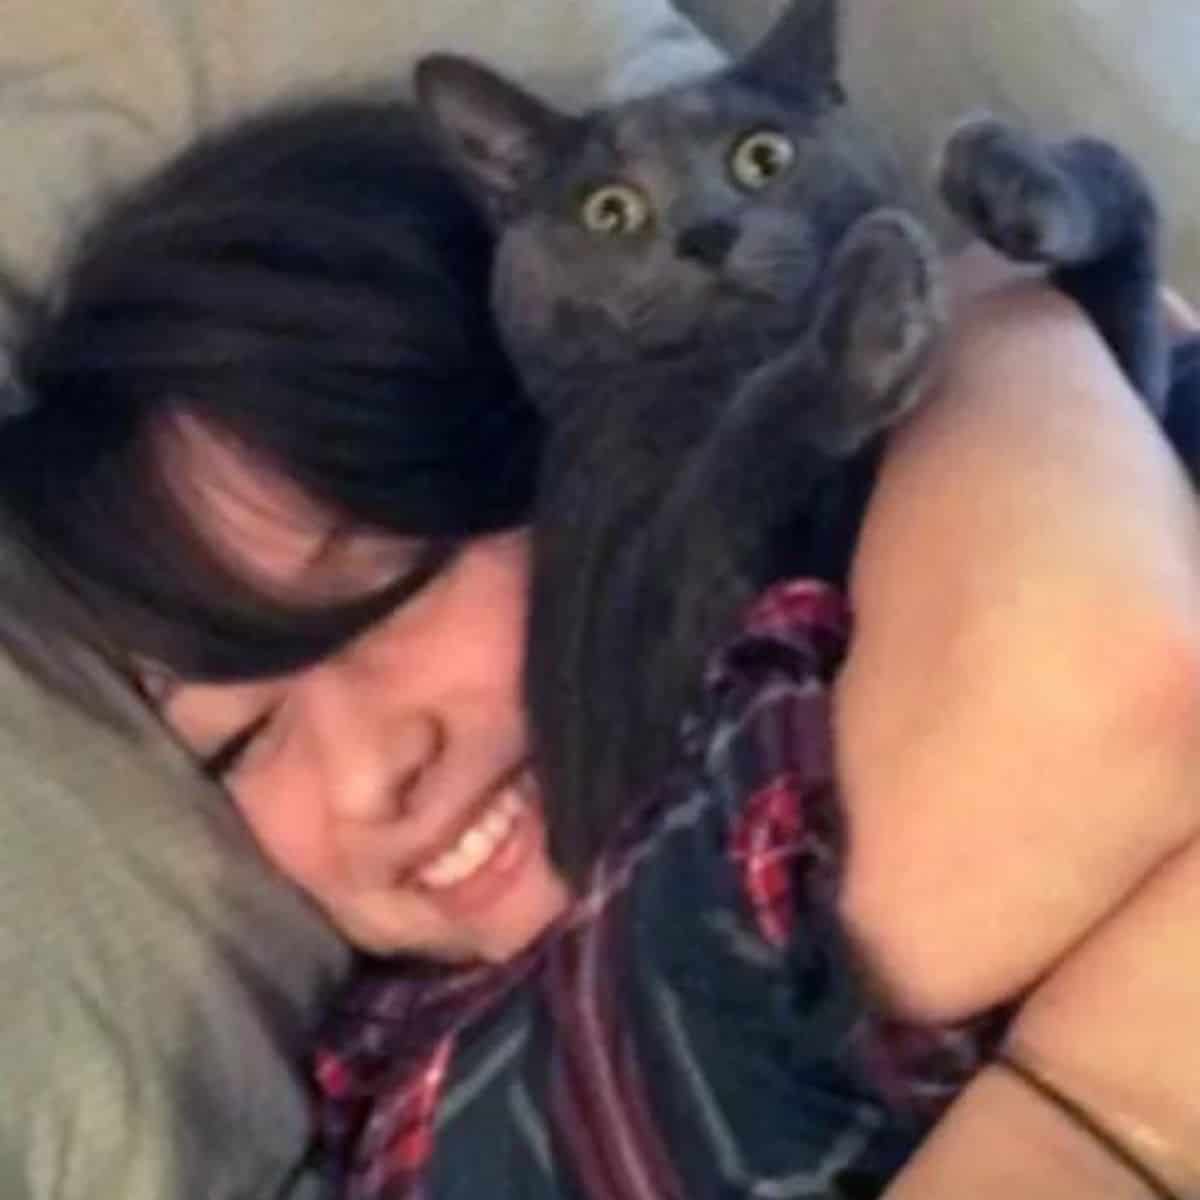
(391, 780)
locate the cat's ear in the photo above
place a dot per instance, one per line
(499, 136)
(799, 55)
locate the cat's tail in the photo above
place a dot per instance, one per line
(1182, 419)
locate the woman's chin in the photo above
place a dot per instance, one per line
(524, 916)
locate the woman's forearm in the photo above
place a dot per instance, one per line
(1106, 1100)
(1114, 1025)
(999, 1142)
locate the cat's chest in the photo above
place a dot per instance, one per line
(623, 432)
(627, 444)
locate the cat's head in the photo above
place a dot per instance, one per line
(691, 214)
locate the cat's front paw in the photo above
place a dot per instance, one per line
(883, 316)
(1004, 185)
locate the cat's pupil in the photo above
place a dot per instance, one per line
(760, 158)
(612, 210)
(615, 210)
(765, 159)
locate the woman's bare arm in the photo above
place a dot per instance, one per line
(1112, 1032)
(1018, 718)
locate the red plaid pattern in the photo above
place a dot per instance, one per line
(766, 842)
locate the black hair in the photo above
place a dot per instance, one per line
(313, 282)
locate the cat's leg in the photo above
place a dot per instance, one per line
(1083, 209)
(798, 418)
(859, 368)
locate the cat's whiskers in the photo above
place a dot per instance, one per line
(658, 309)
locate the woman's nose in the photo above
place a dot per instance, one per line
(374, 754)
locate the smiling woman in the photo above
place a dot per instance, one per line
(388, 777)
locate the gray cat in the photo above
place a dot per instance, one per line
(719, 300)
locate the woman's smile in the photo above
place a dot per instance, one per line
(489, 857)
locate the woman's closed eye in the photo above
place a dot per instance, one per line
(219, 763)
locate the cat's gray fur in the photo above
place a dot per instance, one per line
(707, 378)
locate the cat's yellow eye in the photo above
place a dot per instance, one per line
(760, 158)
(614, 210)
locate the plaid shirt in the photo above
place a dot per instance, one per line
(694, 1027)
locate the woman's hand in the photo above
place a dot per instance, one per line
(1017, 720)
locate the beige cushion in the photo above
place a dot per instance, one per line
(158, 985)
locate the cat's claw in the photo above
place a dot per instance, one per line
(1004, 185)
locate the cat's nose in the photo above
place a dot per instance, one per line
(708, 243)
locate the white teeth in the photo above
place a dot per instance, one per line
(495, 824)
(476, 845)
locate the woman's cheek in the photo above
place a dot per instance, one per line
(293, 831)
